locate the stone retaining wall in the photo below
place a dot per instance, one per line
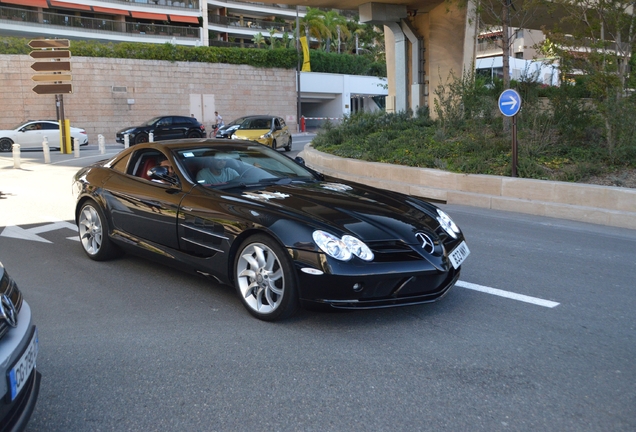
(103, 88)
(605, 205)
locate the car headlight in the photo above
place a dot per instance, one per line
(358, 248)
(234, 136)
(342, 249)
(266, 136)
(447, 223)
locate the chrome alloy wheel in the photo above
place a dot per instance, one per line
(90, 230)
(261, 281)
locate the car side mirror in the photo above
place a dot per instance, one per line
(279, 128)
(161, 173)
(299, 160)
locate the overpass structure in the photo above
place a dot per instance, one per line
(425, 41)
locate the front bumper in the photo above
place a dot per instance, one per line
(370, 285)
(15, 416)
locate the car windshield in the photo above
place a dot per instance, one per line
(257, 123)
(21, 125)
(239, 165)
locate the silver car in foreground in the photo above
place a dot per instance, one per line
(20, 383)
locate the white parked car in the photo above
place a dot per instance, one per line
(30, 135)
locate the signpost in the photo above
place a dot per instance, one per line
(53, 60)
(509, 105)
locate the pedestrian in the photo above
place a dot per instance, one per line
(219, 120)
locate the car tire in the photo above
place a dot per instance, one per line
(264, 279)
(288, 147)
(6, 145)
(93, 233)
(141, 138)
(194, 135)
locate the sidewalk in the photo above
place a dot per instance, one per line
(38, 192)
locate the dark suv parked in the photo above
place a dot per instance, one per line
(163, 128)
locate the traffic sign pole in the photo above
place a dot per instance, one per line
(509, 105)
(54, 62)
(514, 145)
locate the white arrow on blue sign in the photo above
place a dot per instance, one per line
(509, 102)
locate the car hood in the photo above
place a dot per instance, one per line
(368, 213)
(250, 133)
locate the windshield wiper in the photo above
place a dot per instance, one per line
(261, 182)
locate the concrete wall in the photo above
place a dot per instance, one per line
(604, 205)
(103, 88)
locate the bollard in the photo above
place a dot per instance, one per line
(151, 137)
(16, 156)
(101, 144)
(302, 124)
(76, 147)
(46, 150)
(126, 141)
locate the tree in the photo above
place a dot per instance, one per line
(258, 39)
(503, 15)
(596, 38)
(336, 25)
(313, 26)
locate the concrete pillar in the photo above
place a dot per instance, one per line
(448, 33)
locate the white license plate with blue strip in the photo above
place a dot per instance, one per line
(19, 374)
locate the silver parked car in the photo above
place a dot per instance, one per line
(20, 383)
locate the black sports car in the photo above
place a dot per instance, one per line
(282, 234)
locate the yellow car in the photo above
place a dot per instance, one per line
(269, 130)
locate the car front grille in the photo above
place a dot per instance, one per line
(10, 289)
(393, 251)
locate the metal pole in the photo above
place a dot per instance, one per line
(298, 105)
(514, 145)
(62, 124)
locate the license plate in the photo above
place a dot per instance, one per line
(20, 373)
(459, 254)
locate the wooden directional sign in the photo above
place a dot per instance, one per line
(50, 54)
(47, 89)
(52, 77)
(52, 66)
(50, 43)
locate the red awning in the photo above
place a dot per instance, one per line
(70, 5)
(150, 16)
(34, 3)
(110, 11)
(184, 19)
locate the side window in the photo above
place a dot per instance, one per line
(50, 126)
(142, 160)
(276, 124)
(121, 164)
(166, 121)
(282, 122)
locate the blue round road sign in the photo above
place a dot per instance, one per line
(509, 102)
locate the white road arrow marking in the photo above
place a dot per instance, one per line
(512, 103)
(32, 233)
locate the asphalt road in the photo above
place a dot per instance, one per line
(130, 345)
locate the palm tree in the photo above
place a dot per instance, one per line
(312, 24)
(258, 39)
(335, 24)
(272, 39)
